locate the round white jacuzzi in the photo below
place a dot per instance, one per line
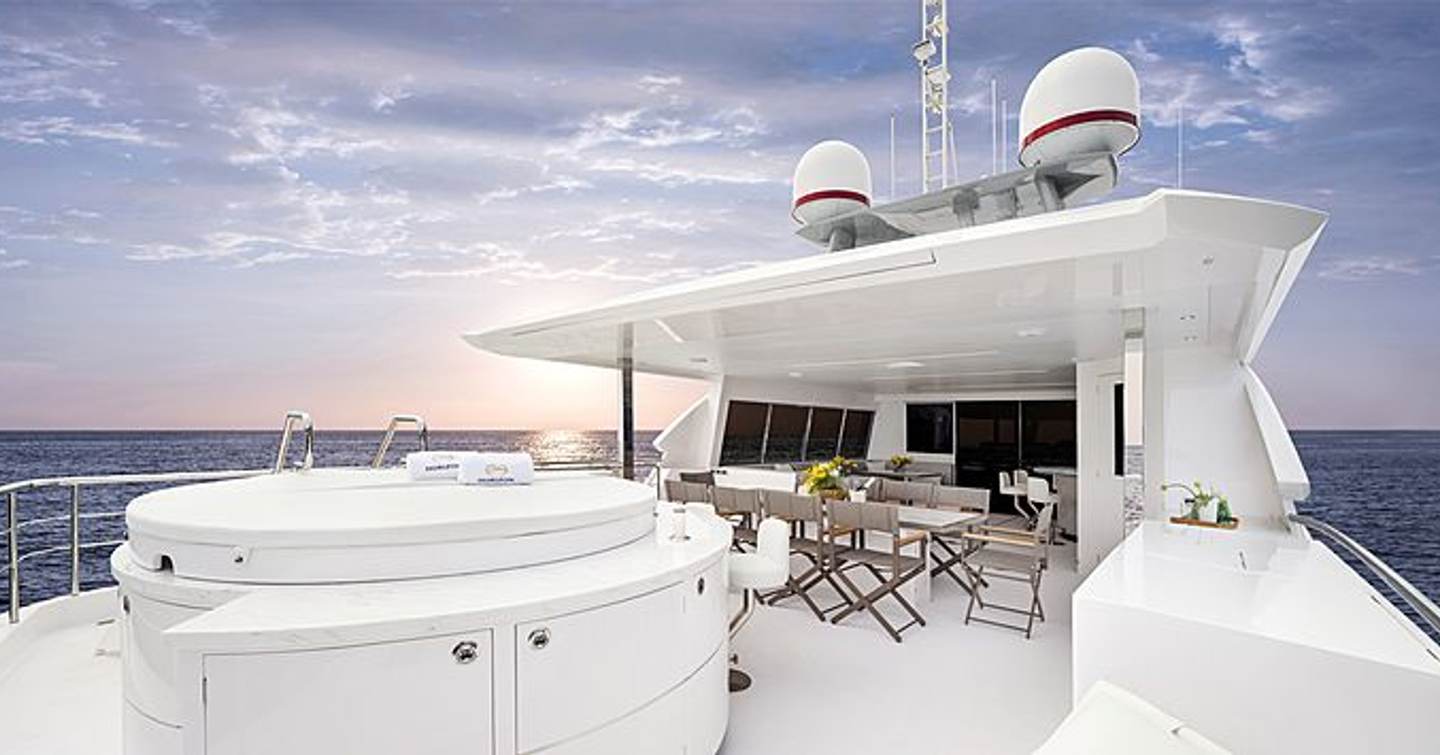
(357, 611)
(360, 525)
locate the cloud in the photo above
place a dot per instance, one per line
(271, 258)
(655, 84)
(1374, 267)
(518, 267)
(8, 263)
(565, 184)
(275, 133)
(392, 94)
(623, 226)
(62, 130)
(667, 174)
(660, 128)
(1255, 87)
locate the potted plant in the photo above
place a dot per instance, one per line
(827, 479)
(899, 462)
(1223, 515)
(1202, 503)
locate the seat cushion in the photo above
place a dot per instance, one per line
(751, 571)
(992, 557)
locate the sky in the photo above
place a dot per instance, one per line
(211, 213)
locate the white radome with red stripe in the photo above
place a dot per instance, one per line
(1087, 100)
(831, 179)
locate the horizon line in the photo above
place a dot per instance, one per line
(529, 430)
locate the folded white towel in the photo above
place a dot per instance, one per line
(497, 469)
(434, 465)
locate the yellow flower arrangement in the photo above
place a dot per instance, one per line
(828, 477)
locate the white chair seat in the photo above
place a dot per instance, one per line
(1039, 492)
(752, 571)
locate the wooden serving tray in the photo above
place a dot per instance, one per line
(1230, 525)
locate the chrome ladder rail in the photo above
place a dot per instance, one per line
(308, 425)
(1412, 596)
(395, 421)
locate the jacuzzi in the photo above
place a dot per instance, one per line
(356, 611)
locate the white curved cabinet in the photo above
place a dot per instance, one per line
(582, 671)
(418, 697)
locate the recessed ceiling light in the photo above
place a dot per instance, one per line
(974, 373)
(1031, 332)
(893, 359)
(904, 364)
(797, 374)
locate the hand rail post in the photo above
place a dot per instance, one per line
(12, 543)
(395, 420)
(306, 424)
(75, 539)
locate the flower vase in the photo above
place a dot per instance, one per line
(1203, 511)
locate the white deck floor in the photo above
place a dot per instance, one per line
(63, 696)
(947, 687)
(817, 687)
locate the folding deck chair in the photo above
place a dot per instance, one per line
(1010, 554)
(889, 566)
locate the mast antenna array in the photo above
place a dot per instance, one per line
(932, 53)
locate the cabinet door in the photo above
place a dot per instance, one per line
(430, 695)
(581, 671)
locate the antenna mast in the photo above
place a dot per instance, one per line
(1180, 148)
(932, 53)
(892, 156)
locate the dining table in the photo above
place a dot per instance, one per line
(933, 521)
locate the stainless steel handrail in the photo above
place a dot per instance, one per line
(13, 525)
(1412, 596)
(308, 425)
(420, 428)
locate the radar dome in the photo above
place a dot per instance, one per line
(1087, 100)
(831, 179)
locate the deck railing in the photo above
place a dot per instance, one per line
(10, 492)
(1418, 602)
(75, 546)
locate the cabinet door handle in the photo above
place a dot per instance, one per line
(465, 652)
(539, 639)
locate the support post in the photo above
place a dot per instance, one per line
(625, 364)
(1134, 429)
(74, 539)
(12, 543)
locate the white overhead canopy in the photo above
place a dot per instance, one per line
(1014, 303)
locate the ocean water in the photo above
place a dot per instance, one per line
(1380, 487)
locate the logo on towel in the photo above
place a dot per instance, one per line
(497, 470)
